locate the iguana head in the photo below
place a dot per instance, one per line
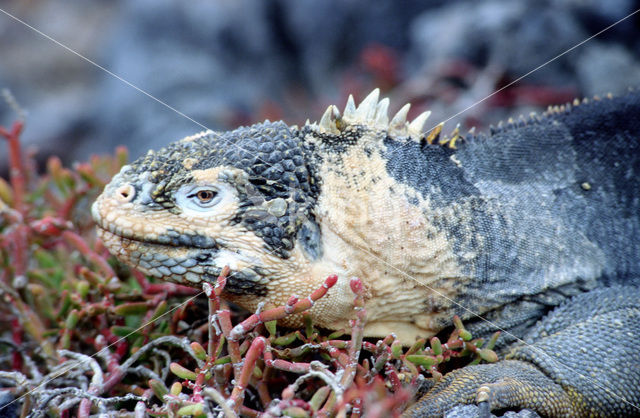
(241, 198)
(282, 207)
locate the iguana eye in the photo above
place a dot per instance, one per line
(199, 198)
(204, 198)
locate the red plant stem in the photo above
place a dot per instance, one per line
(222, 281)
(356, 410)
(257, 347)
(339, 356)
(327, 409)
(263, 392)
(167, 288)
(393, 378)
(293, 306)
(80, 244)
(65, 211)
(336, 344)
(50, 226)
(357, 326)
(18, 242)
(16, 174)
(142, 280)
(295, 403)
(170, 289)
(224, 320)
(115, 375)
(371, 347)
(357, 332)
(196, 396)
(248, 412)
(297, 367)
(147, 319)
(268, 354)
(214, 305)
(84, 410)
(16, 335)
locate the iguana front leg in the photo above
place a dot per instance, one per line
(505, 385)
(575, 363)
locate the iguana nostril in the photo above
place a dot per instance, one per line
(125, 193)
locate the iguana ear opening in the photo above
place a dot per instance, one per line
(309, 239)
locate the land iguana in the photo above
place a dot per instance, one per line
(540, 218)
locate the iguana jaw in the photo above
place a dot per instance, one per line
(279, 279)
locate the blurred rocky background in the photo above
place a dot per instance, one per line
(231, 62)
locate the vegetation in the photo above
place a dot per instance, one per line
(82, 334)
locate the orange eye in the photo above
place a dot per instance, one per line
(205, 196)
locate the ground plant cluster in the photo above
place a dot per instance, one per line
(81, 334)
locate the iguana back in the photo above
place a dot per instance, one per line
(539, 209)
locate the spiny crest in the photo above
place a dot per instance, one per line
(551, 111)
(373, 112)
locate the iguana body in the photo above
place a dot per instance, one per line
(507, 226)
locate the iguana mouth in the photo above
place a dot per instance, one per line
(189, 267)
(161, 260)
(169, 237)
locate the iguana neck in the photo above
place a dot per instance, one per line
(377, 228)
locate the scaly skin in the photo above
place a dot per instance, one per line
(581, 360)
(507, 226)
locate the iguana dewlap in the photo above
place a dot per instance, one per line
(506, 225)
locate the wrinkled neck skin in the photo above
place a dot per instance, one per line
(376, 228)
